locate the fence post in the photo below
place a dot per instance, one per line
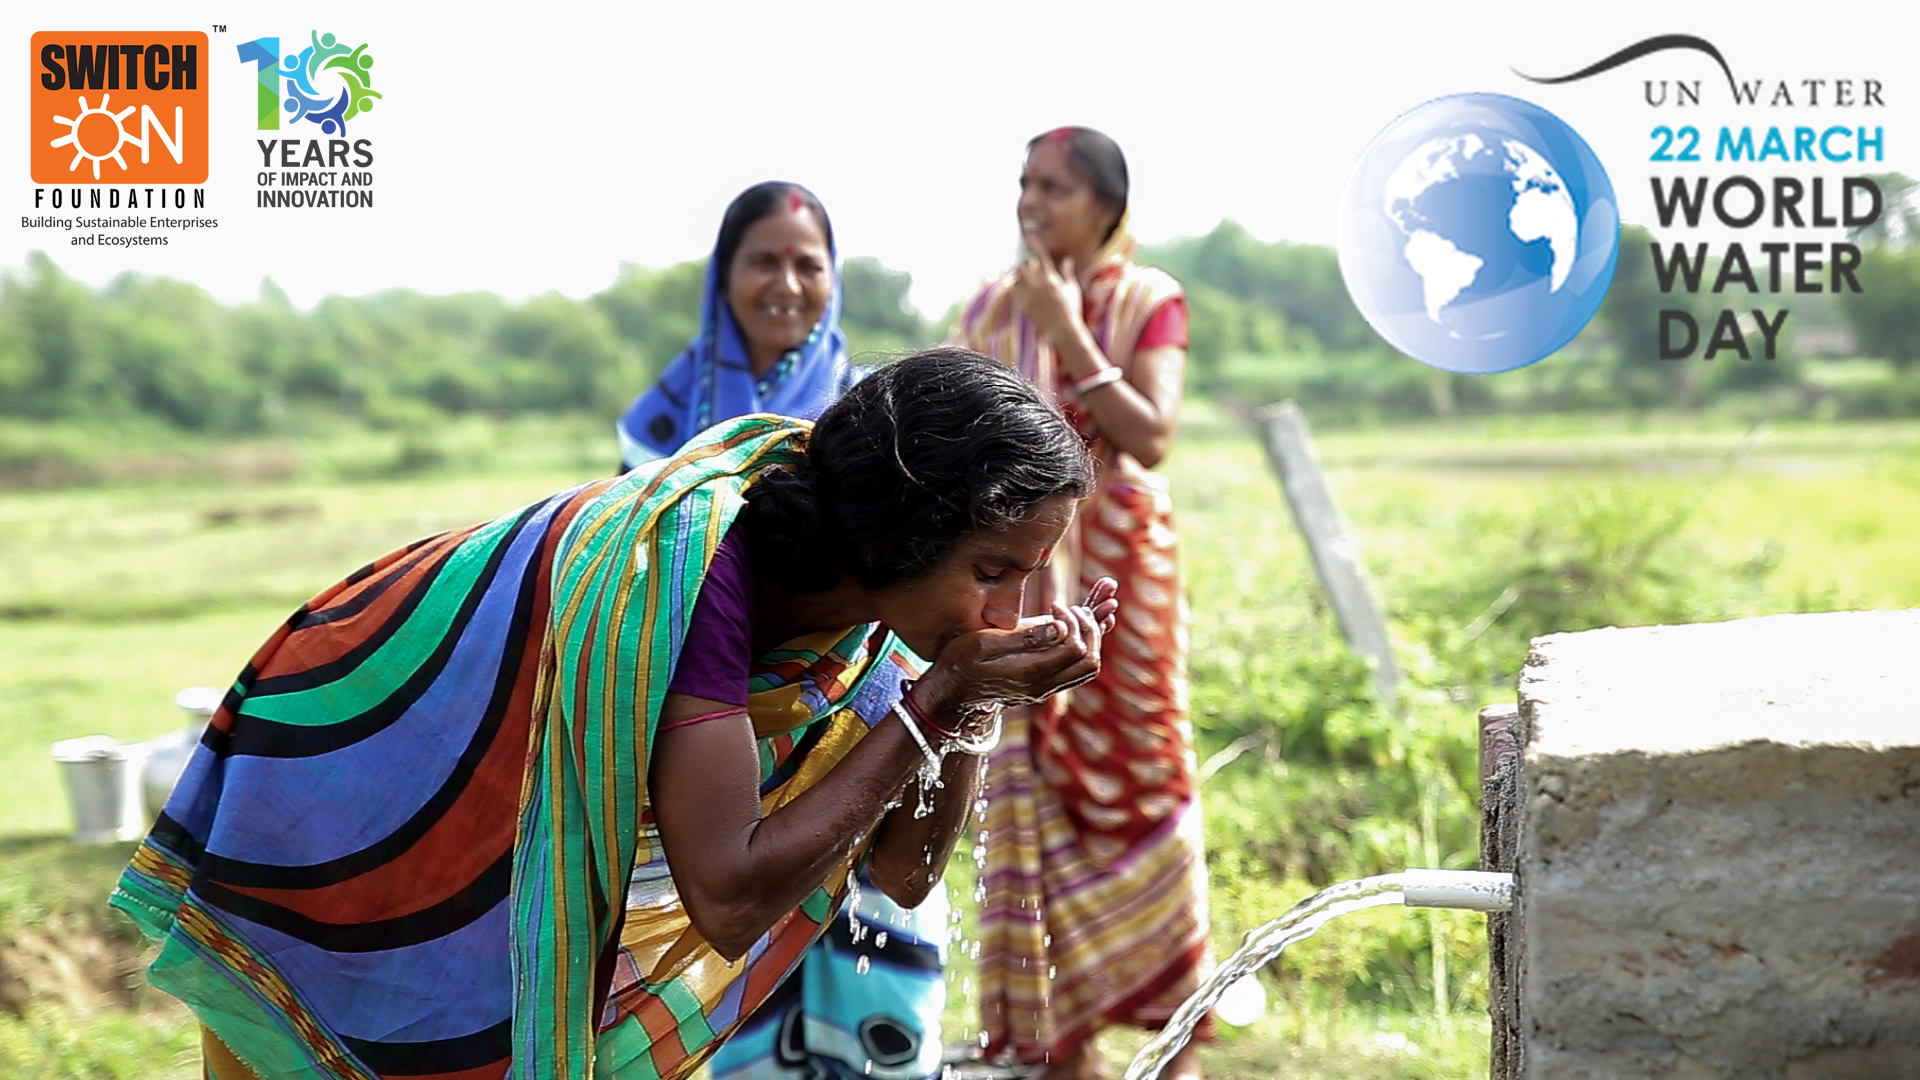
(1290, 450)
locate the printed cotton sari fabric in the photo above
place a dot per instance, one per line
(1095, 906)
(415, 840)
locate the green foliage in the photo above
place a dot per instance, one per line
(1300, 283)
(156, 350)
(120, 593)
(1629, 318)
(1272, 321)
(1313, 782)
(876, 303)
(1269, 321)
(658, 311)
(1882, 313)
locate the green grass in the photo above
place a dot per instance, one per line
(157, 576)
(49, 1043)
(54, 891)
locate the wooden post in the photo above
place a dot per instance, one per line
(1290, 450)
(1500, 809)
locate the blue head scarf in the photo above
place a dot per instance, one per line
(712, 379)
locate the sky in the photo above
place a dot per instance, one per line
(521, 148)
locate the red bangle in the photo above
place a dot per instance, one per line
(920, 713)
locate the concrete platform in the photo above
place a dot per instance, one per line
(1716, 830)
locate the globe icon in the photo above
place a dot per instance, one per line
(1478, 233)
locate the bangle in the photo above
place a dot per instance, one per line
(919, 739)
(963, 738)
(919, 712)
(1112, 373)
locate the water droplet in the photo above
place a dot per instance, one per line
(879, 940)
(861, 965)
(983, 1040)
(1047, 942)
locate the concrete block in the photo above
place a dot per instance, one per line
(1719, 850)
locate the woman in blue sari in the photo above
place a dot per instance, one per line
(867, 998)
(769, 338)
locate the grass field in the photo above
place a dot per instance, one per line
(117, 595)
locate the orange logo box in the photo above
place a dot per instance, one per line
(119, 107)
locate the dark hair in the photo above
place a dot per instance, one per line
(1099, 162)
(753, 204)
(914, 456)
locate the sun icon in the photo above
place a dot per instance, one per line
(80, 151)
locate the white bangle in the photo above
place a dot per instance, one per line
(1112, 373)
(919, 737)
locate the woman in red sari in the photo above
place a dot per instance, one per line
(1095, 909)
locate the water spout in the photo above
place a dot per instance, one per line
(1467, 890)
(1471, 890)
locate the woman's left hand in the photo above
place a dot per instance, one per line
(1103, 603)
(1049, 295)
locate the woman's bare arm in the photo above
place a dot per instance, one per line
(738, 872)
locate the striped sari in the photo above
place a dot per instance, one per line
(416, 840)
(1095, 908)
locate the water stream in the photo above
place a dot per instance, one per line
(1472, 890)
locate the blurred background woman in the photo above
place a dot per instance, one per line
(769, 338)
(1093, 821)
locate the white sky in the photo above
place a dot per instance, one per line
(525, 147)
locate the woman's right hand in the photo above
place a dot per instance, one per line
(1039, 657)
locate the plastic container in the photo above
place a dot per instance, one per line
(172, 751)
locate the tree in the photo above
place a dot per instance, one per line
(1299, 282)
(557, 354)
(1629, 318)
(874, 302)
(54, 366)
(1882, 312)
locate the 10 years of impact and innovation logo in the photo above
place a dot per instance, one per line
(326, 84)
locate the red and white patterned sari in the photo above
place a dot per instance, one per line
(1095, 882)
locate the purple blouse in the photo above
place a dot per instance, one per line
(715, 659)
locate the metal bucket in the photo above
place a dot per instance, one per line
(102, 777)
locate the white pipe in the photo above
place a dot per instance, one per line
(1474, 890)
